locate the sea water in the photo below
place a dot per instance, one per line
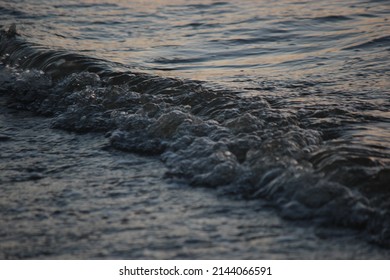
(266, 113)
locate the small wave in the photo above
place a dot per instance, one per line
(332, 18)
(209, 138)
(176, 60)
(12, 12)
(208, 6)
(199, 25)
(383, 41)
(57, 64)
(85, 5)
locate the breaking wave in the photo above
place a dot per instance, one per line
(307, 162)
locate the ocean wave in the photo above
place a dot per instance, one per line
(210, 138)
(383, 41)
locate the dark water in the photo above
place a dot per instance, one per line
(279, 101)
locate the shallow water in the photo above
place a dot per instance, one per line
(116, 205)
(278, 101)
